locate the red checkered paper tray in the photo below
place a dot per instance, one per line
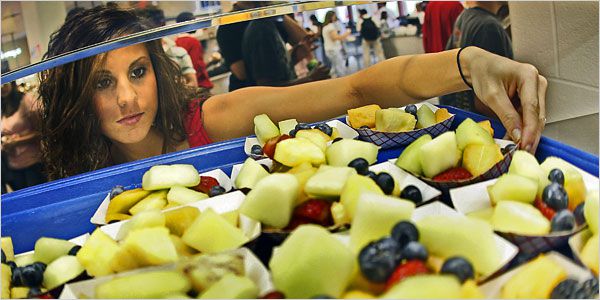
(388, 140)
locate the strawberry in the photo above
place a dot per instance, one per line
(273, 295)
(453, 174)
(297, 221)
(544, 209)
(269, 147)
(206, 183)
(409, 268)
(317, 211)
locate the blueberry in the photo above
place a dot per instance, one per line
(326, 129)
(116, 191)
(3, 257)
(415, 250)
(337, 139)
(555, 196)
(321, 296)
(302, 126)
(74, 250)
(411, 109)
(556, 175)
(579, 216)
(360, 164)
(31, 276)
(12, 266)
(458, 266)
(386, 182)
(256, 150)
(563, 220)
(40, 266)
(565, 289)
(33, 292)
(371, 175)
(589, 288)
(16, 277)
(216, 191)
(293, 132)
(508, 148)
(405, 232)
(378, 259)
(412, 193)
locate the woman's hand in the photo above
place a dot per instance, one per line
(496, 80)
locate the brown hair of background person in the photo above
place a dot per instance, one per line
(67, 92)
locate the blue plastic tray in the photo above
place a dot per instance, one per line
(62, 208)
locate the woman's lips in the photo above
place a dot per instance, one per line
(131, 119)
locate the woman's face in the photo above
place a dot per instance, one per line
(126, 97)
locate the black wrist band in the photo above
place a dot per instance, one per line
(460, 69)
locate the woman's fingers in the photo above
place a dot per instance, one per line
(542, 86)
(498, 101)
(528, 92)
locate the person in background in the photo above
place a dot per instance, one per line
(389, 49)
(439, 23)
(21, 152)
(317, 28)
(193, 47)
(479, 26)
(391, 17)
(370, 34)
(333, 44)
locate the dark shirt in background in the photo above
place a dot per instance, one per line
(476, 27)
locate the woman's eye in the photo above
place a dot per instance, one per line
(138, 72)
(103, 83)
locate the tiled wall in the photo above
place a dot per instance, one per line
(561, 40)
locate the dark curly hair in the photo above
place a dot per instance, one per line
(72, 141)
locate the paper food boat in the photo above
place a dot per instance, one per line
(394, 139)
(220, 204)
(493, 288)
(254, 270)
(507, 250)
(344, 130)
(577, 242)
(99, 217)
(475, 197)
(494, 172)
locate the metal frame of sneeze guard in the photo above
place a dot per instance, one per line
(156, 33)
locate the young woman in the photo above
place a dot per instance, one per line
(128, 104)
(332, 41)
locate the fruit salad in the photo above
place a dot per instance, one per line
(585, 244)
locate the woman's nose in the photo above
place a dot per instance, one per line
(126, 94)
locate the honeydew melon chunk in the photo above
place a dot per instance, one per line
(166, 176)
(179, 219)
(24, 259)
(302, 270)
(355, 186)
(155, 201)
(589, 254)
(61, 270)
(145, 219)
(315, 136)
(328, 181)
(521, 218)
(151, 246)
(342, 152)
(514, 188)
(574, 184)
(97, 252)
(211, 233)
(232, 217)
(7, 247)
(156, 284)
(483, 214)
(121, 203)
(19, 292)
(468, 133)
(448, 236)
(231, 286)
(293, 152)
(394, 120)
(48, 249)
(208, 269)
(525, 164)
(590, 211)
(6, 280)
(426, 287)
(439, 154)
(535, 280)
(425, 117)
(272, 200)
(409, 158)
(181, 248)
(250, 173)
(286, 126)
(264, 128)
(375, 216)
(123, 260)
(183, 195)
(478, 159)
(302, 172)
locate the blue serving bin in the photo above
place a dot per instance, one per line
(63, 208)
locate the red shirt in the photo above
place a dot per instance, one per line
(196, 52)
(194, 127)
(438, 24)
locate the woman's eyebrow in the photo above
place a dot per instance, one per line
(141, 58)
